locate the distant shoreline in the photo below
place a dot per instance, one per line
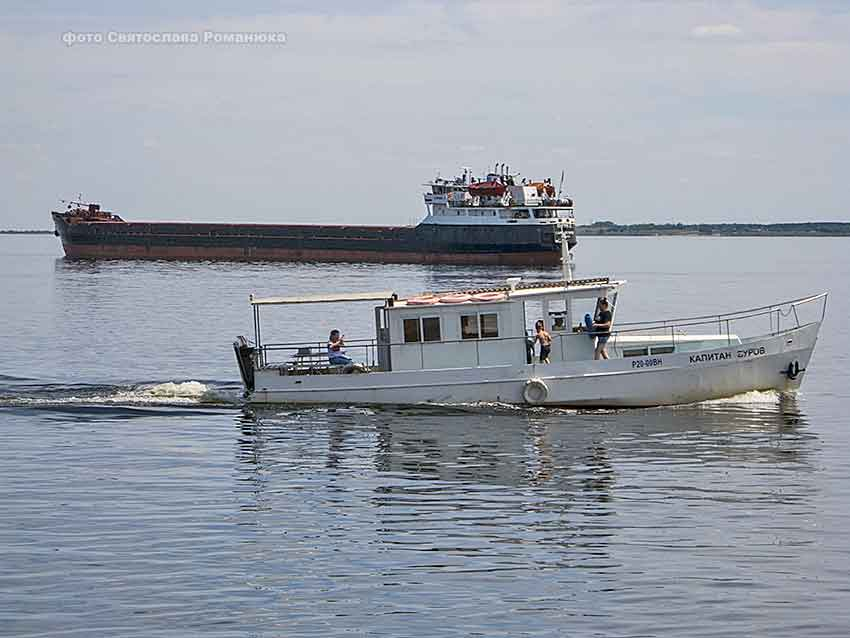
(26, 232)
(791, 229)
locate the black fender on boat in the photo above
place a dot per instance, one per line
(793, 370)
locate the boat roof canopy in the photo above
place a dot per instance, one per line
(340, 297)
(576, 288)
(596, 286)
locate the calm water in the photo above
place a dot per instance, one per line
(139, 498)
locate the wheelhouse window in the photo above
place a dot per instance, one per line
(482, 326)
(431, 329)
(489, 325)
(412, 334)
(469, 326)
(424, 329)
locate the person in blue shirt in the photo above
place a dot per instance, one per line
(602, 329)
(336, 353)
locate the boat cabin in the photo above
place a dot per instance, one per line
(491, 327)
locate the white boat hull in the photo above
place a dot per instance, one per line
(757, 364)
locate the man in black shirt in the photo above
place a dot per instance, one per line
(602, 328)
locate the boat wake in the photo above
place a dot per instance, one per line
(169, 393)
(753, 398)
(17, 392)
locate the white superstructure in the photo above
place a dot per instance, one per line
(497, 198)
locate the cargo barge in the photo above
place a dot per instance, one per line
(499, 219)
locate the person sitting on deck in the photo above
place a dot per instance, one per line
(336, 354)
(602, 329)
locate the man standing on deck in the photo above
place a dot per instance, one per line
(602, 328)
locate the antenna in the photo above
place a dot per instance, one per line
(561, 185)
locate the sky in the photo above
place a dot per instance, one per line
(656, 110)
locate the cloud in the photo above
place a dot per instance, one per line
(716, 31)
(617, 92)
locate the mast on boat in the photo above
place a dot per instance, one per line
(566, 255)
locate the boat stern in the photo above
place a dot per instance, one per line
(245, 358)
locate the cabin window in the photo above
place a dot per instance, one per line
(661, 350)
(483, 326)
(489, 325)
(425, 329)
(469, 326)
(411, 331)
(430, 329)
(634, 352)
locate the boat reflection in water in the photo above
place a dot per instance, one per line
(527, 447)
(518, 489)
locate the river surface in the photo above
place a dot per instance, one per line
(139, 498)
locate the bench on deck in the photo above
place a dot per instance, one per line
(310, 360)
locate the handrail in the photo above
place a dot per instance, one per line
(318, 350)
(319, 344)
(792, 302)
(720, 319)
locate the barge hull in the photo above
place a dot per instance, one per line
(195, 253)
(422, 244)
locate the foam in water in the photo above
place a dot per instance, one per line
(184, 390)
(168, 393)
(754, 397)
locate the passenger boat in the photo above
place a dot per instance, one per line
(499, 218)
(470, 346)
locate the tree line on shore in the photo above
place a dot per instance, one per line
(13, 231)
(784, 228)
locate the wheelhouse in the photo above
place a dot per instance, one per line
(493, 326)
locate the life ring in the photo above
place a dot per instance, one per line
(535, 392)
(488, 296)
(422, 301)
(456, 298)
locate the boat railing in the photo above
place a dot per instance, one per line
(517, 207)
(312, 355)
(781, 317)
